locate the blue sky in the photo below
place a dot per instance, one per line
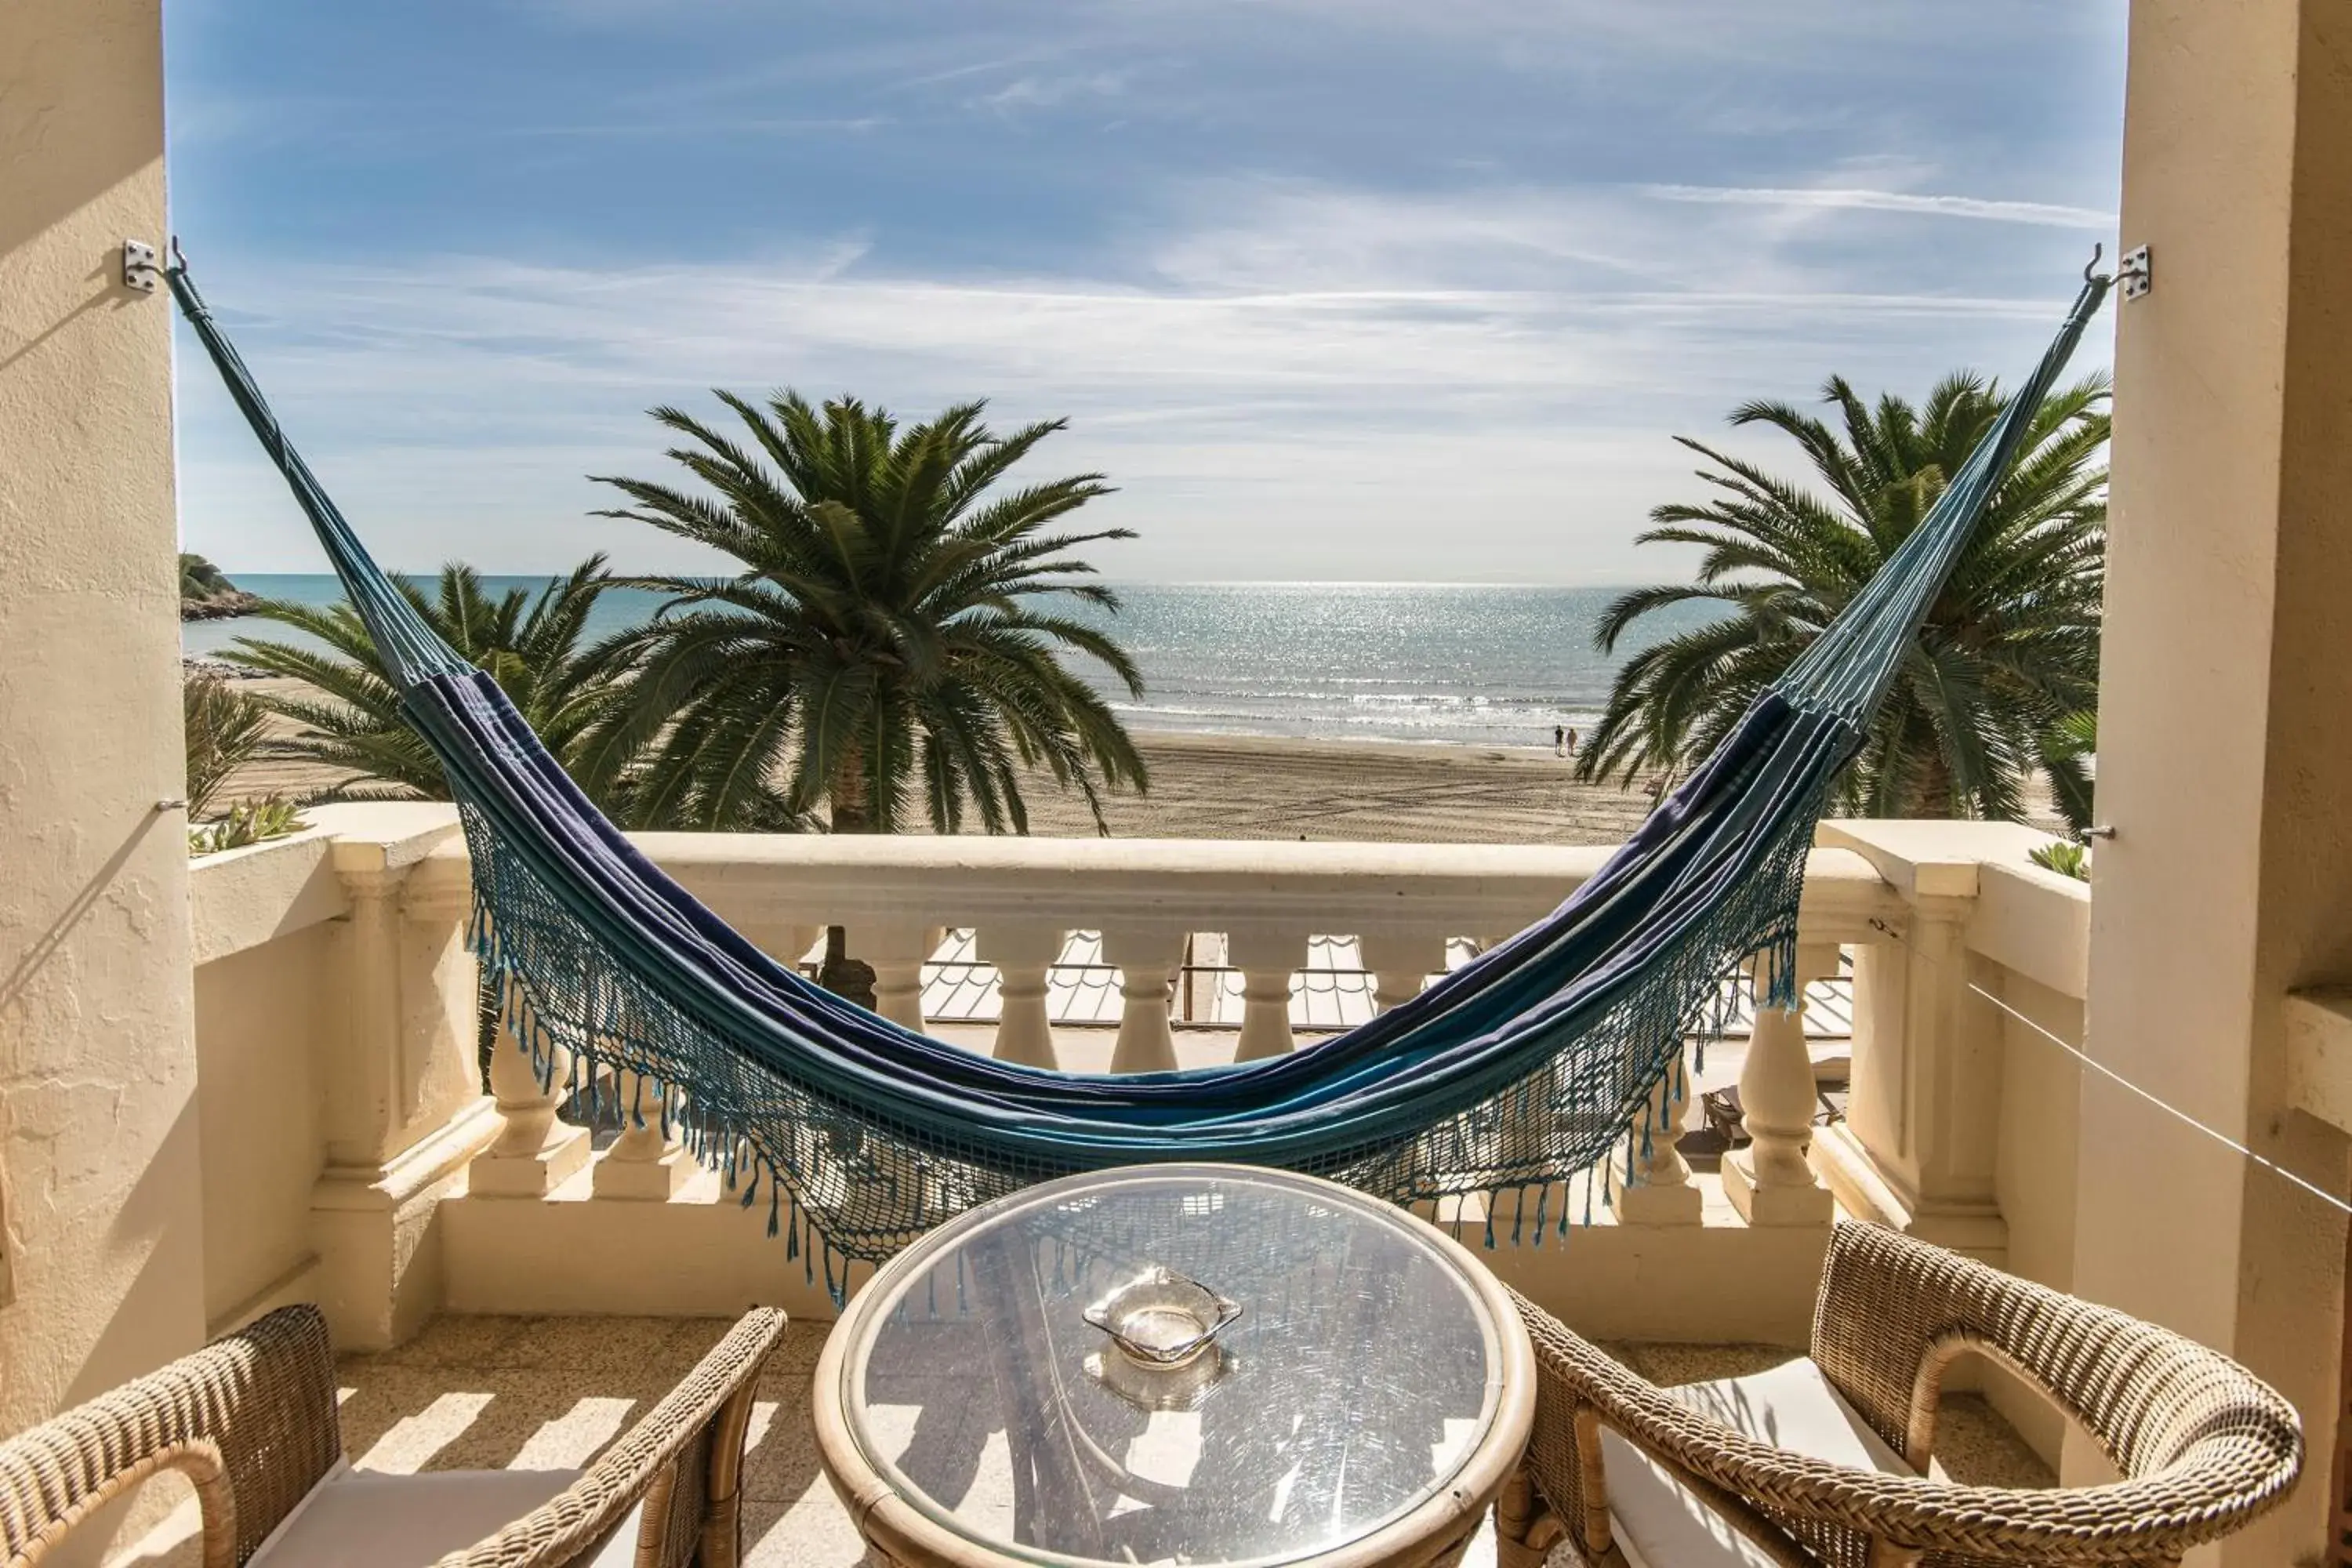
(1331, 289)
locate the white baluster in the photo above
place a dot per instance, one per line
(782, 941)
(1147, 961)
(1771, 1181)
(897, 950)
(1400, 962)
(644, 1161)
(1023, 956)
(1268, 958)
(1661, 1190)
(538, 1150)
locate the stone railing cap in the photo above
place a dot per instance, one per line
(1933, 858)
(384, 835)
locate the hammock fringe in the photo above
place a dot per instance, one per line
(861, 1193)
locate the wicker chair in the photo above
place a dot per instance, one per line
(250, 1420)
(2202, 1446)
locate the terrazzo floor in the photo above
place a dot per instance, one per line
(547, 1393)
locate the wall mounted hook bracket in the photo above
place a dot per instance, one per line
(140, 270)
(2135, 272)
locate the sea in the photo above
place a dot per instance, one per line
(1457, 665)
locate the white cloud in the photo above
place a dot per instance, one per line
(2045, 215)
(1354, 288)
(1036, 91)
(1295, 381)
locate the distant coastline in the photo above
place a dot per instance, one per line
(207, 595)
(235, 605)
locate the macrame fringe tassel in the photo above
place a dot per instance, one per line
(562, 992)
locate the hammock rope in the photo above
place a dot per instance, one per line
(1523, 1069)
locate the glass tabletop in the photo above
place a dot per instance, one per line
(1361, 1370)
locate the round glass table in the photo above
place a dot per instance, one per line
(1200, 1364)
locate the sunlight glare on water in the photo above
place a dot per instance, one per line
(1463, 664)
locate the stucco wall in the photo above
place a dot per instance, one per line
(258, 1027)
(2040, 1104)
(99, 1140)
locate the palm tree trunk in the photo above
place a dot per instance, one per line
(1931, 793)
(845, 796)
(846, 977)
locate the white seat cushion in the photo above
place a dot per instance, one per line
(1661, 1524)
(365, 1519)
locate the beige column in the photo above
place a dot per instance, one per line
(401, 1111)
(2229, 607)
(896, 949)
(2225, 759)
(1147, 958)
(1023, 956)
(536, 1150)
(1400, 962)
(1268, 959)
(1920, 1145)
(406, 1057)
(781, 939)
(646, 1161)
(1769, 1183)
(101, 1227)
(1660, 1191)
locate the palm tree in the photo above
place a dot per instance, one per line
(224, 729)
(1988, 693)
(350, 717)
(892, 647)
(529, 645)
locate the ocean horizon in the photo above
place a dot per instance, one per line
(1444, 663)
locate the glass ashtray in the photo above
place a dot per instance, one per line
(1160, 1321)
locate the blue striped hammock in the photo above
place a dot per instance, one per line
(1514, 1077)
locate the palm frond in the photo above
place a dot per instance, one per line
(224, 730)
(886, 650)
(2009, 651)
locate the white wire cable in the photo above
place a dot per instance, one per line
(2330, 1199)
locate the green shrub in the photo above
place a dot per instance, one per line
(2066, 859)
(248, 822)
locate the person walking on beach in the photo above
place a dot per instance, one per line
(1558, 741)
(1568, 748)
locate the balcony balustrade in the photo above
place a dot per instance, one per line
(346, 1128)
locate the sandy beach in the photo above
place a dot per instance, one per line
(1251, 786)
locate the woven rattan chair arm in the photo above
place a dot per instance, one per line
(250, 1420)
(714, 1398)
(2225, 1480)
(1894, 1312)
